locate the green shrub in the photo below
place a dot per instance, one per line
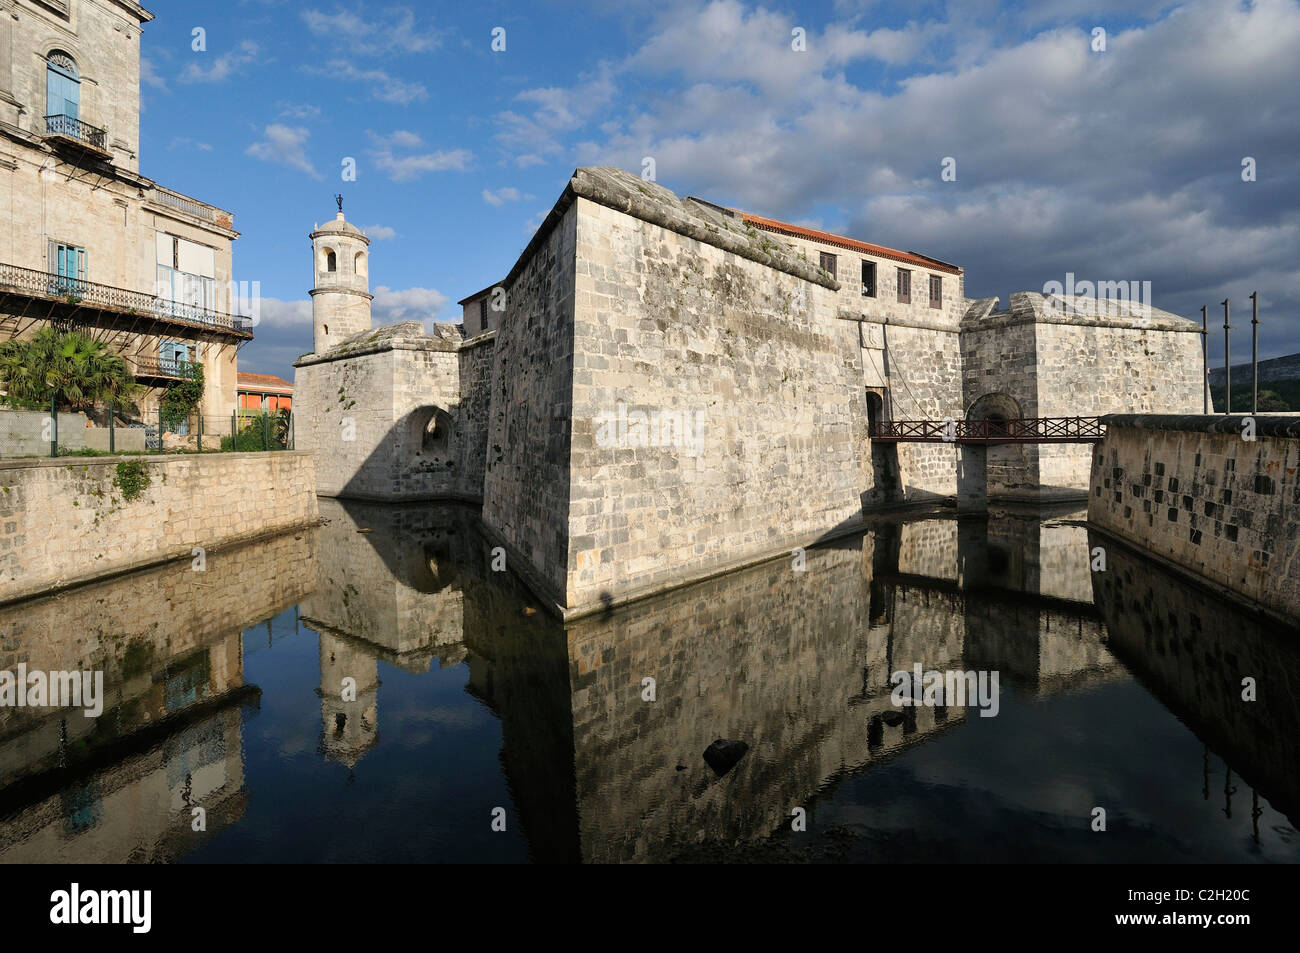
(132, 479)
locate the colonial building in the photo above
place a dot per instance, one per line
(264, 393)
(86, 240)
(661, 389)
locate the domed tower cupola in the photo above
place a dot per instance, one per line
(340, 299)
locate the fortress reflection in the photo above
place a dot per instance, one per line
(795, 664)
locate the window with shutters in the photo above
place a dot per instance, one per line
(62, 86)
(904, 286)
(828, 263)
(936, 291)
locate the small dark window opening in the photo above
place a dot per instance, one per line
(904, 286)
(936, 291)
(483, 314)
(828, 262)
(331, 261)
(868, 279)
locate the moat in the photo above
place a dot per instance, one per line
(230, 690)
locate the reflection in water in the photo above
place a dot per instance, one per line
(291, 692)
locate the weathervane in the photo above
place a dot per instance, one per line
(339, 199)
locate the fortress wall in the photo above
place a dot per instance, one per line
(63, 522)
(666, 323)
(423, 466)
(1084, 370)
(1192, 490)
(924, 373)
(1001, 361)
(384, 400)
(527, 484)
(325, 395)
(472, 417)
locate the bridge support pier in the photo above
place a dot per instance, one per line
(973, 478)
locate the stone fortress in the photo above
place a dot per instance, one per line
(663, 389)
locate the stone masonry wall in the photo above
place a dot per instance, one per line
(527, 484)
(924, 373)
(1191, 490)
(65, 522)
(1089, 370)
(394, 418)
(669, 324)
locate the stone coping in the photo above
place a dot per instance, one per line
(651, 202)
(26, 463)
(1270, 425)
(384, 339)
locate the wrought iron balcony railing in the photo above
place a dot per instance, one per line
(74, 291)
(162, 367)
(73, 128)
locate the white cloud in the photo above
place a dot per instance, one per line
(149, 76)
(223, 67)
(503, 195)
(379, 233)
(298, 110)
(396, 31)
(276, 313)
(408, 304)
(407, 168)
(182, 142)
(285, 145)
(380, 85)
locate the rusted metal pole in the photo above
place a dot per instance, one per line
(1205, 358)
(1227, 359)
(1254, 352)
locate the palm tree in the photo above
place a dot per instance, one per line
(69, 368)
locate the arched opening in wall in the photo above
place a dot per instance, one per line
(331, 260)
(359, 264)
(430, 437)
(875, 408)
(1009, 465)
(886, 479)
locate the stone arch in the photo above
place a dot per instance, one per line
(875, 407)
(431, 431)
(329, 260)
(996, 408)
(359, 264)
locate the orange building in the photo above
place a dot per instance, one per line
(264, 392)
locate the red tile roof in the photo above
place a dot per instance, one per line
(250, 381)
(880, 251)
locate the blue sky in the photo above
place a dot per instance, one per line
(1122, 164)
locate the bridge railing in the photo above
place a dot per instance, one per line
(1019, 430)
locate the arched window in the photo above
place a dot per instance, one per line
(331, 260)
(359, 265)
(62, 86)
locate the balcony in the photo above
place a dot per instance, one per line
(77, 132)
(200, 210)
(161, 368)
(43, 295)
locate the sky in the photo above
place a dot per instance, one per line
(1163, 149)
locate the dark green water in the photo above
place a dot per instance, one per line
(1118, 690)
